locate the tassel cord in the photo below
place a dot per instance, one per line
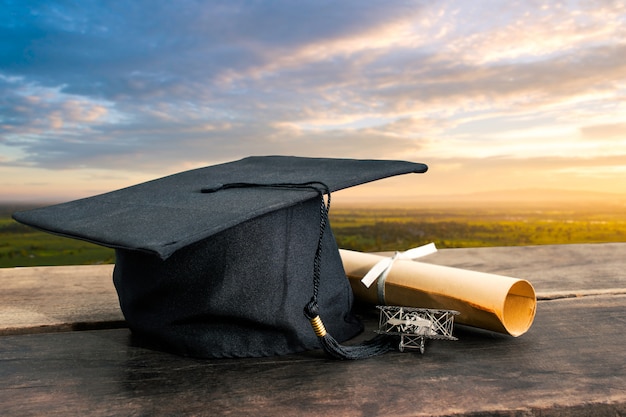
(373, 347)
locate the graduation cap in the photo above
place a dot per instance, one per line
(221, 261)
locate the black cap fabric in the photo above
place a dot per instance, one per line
(208, 270)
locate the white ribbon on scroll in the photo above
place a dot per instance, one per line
(381, 269)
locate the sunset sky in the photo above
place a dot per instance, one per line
(492, 95)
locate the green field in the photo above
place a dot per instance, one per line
(367, 229)
(395, 229)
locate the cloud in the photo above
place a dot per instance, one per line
(38, 122)
(458, 175)
(122, 49)
(153, 86)
(533, 31)
(604, 131)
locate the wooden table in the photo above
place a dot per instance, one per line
(64, 350)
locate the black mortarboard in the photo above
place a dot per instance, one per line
(219, 261)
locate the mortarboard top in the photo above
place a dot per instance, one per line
(170, 213)
(210, 270)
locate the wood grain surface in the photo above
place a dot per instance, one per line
(570, 363)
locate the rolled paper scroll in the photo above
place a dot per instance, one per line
(487, 301)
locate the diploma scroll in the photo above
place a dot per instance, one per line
(487, 301)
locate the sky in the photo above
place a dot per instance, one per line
(491, 95)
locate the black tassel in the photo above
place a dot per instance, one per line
(376, 346)
(373, 347)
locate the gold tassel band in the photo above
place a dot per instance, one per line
(318, 326)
